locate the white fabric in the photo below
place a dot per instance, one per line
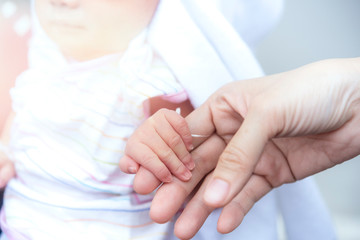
(69, 133)
(222, 49)
(204, 52)
(212, 41)
(304, 213)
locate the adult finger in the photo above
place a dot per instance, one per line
(170, 196)
(271, 163)
(200, 124)
(145, 182)
(194, 215)
(196, 211)
(234, 212)
(271, 171)
(237, 162)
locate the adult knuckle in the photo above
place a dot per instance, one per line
(219, 100)
(240, 206)
(235, 158)
(250, 196)
(203, 166)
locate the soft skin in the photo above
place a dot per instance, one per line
(276, 129)
(87, 29)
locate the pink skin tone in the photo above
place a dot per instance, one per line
(162, 145)
(89, 29)
(7, 170)
(265, 132)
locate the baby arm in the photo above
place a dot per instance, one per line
(162, 145)
(7, 170)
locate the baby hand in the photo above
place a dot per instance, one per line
(7, 170)
(162, 145)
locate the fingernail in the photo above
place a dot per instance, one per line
(168, 179)
(132, 170)
(216, 191)
(191, 147)
(190, 165)
(187, 175)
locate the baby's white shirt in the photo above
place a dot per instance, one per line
(69, 133)
(81, 114)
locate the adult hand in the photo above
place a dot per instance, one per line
(170, 197)
(278, 129)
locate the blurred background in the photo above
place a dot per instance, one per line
(310, 31)
(14, 35)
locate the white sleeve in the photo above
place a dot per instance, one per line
(251, 19)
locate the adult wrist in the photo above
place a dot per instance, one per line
(354, 71)
(347, 70)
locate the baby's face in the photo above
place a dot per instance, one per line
(86, 29)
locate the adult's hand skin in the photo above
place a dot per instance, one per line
(296, 123)
(278, 129)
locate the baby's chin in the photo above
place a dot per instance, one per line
(82, 52)
(78, 46)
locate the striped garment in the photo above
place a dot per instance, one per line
(68, 136)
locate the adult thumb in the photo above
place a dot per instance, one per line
(237, 163)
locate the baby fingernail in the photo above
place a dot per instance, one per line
(168, 179)
(191, 147)
(190, 165)
(187, 175)
(132, 170)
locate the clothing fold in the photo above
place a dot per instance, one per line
(83, 117)
(220, 56)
